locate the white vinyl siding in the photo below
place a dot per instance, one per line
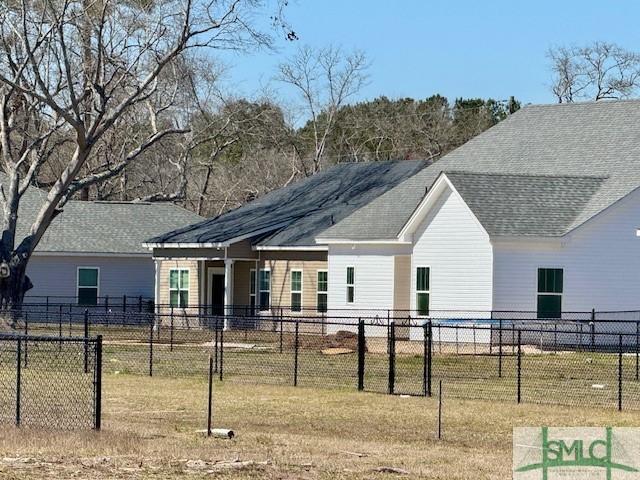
(457, 249)
(600, 260)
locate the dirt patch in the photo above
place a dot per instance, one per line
(342, 340)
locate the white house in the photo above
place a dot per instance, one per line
(541, 213)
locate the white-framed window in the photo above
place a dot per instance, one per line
(550, 289)
(252, 290)
(351, 284)
(179, 287)
(322, 288)
(88, 285)
(423, 275)
(296, 290)
(264, 289)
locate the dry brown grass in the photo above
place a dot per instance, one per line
(149, 432)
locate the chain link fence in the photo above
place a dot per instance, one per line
(48, 382)
(592, 359)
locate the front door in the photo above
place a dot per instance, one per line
(217, 293)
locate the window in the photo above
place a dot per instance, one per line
(550, 286)
(252, 290)
(265, 289)
(322, 288)
(179, 287)
(88, 278)
(351, 284)
(296, 290)
(422, 290)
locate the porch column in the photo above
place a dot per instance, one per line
(228, 290)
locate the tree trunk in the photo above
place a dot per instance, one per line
(14, 282)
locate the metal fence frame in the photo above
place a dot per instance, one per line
(84, 350)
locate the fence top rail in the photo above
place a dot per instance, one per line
(136, 318)
(45, 338)
(134, 299)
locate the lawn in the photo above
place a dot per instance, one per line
(149, 431)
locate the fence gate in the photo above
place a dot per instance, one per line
(409, 352)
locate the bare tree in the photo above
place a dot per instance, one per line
(597, 71)
(74, 71)
(325, 80)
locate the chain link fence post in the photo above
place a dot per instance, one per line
(361, 356)
(221, 358)
(151, 348)
(295, 353)
(637, 350)
(86, 340)
(281, 326)
(620, 373)
(26, 343)
(392, 357)
(500, 348)
(60, 326)
(98, 384)
(18, 380)
(171, 334)
(428, 331)
(216, 342)
(519, 393)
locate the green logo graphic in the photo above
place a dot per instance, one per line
(572, 453)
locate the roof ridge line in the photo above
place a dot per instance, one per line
(524, 175)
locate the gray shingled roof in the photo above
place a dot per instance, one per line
(600, 139)
(102, 227)
(525, 205)
(296, 214)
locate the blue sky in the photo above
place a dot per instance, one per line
(455, 48)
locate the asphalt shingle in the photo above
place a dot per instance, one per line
(525, 205)
(600, 139)
(296, 214)
(102, 227)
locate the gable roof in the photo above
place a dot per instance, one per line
(97, 227)
(563, 140)
(525, 204)
(293, 216)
